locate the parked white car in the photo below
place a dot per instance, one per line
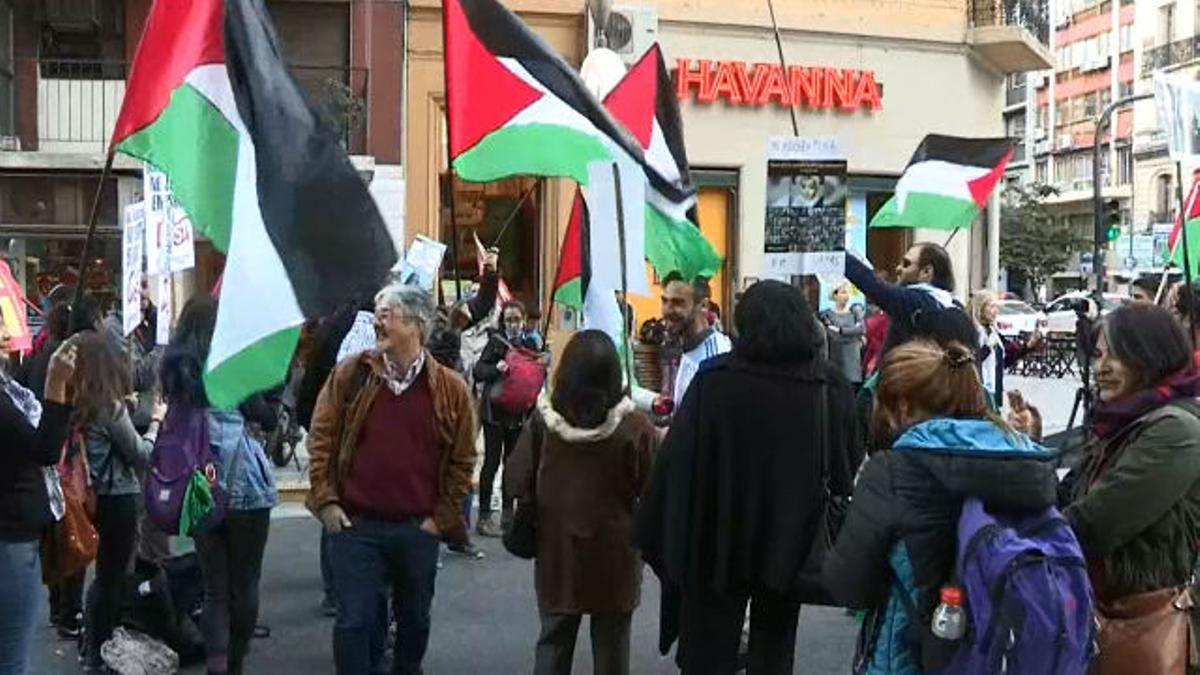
(1060, 314)
(1017, 318)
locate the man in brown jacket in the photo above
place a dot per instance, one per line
(392, 449)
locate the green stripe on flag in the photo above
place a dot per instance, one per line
(928, 211)
(570, 293)
(532, 149)
(197, 148)
(673, 246)
(260, 366)
(1193, 237)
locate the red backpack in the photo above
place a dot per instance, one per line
(517, 393)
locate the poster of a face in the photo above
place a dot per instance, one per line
(807, 235)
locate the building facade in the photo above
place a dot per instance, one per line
(63, 67)
(1094, 65)
(930, 67)
(1167, 41)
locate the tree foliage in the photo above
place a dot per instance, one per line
(1032, 241)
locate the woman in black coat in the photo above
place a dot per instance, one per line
(31, 438)
(735, 497)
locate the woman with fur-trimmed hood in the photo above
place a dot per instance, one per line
(591, 454)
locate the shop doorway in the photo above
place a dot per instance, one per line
(505, 214)
(885, 246)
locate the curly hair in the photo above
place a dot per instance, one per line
(101, 380)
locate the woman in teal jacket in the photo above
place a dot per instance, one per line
(899, 537)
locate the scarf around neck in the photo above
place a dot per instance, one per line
(1111, 418)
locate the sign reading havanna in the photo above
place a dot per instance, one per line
(761, 84)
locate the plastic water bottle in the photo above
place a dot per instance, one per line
(949, 620)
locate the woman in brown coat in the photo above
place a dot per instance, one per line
(585, 456)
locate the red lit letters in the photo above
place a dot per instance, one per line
(762, 84)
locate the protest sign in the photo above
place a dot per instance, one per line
(806, 208)
(156, 195)
(133, 239)
(12, 307)
(421, 263)
(165, 314)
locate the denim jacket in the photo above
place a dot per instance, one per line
(252, 485)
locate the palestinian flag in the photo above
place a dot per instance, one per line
(210, 103)
(645, 104)
(570, 279)
(1192, 218)
(946, 183)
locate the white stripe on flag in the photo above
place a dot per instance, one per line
(605, 250)
(257, 299)
(938, 178)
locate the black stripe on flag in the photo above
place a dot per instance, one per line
(505, 35)
(982, 152)
(316, 208)
(666, 112)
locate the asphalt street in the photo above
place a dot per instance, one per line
(484, 618)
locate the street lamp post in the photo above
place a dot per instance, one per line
(1099, 231)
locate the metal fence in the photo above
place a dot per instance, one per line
(1171, 54)
(1032, 15)
(72, 105)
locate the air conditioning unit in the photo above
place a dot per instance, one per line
(631, 30)
(1065, 141)
(10, 144)
(1039, 134)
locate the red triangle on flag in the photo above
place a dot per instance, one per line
(982, 187)
(179, 36)
(632, 100)
(481, 94)
(570, 257)
(1193, 211)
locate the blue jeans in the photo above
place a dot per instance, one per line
(20, 587)
(365, 558)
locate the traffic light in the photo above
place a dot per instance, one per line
(1112, 216)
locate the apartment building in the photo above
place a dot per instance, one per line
(1093, 44)
(1168, 40)
(63, 67)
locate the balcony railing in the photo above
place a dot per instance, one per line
(1032, 15)
(1171, 54)
(72, 105)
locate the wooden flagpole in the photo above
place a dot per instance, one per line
(951, 237)
(625, 337)
(86, 258)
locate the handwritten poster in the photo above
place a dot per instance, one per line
(170, 239)
(157, 206)
(133, 240)
(164, 310)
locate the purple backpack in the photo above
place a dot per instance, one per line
(182, 451)
(1028, 598)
